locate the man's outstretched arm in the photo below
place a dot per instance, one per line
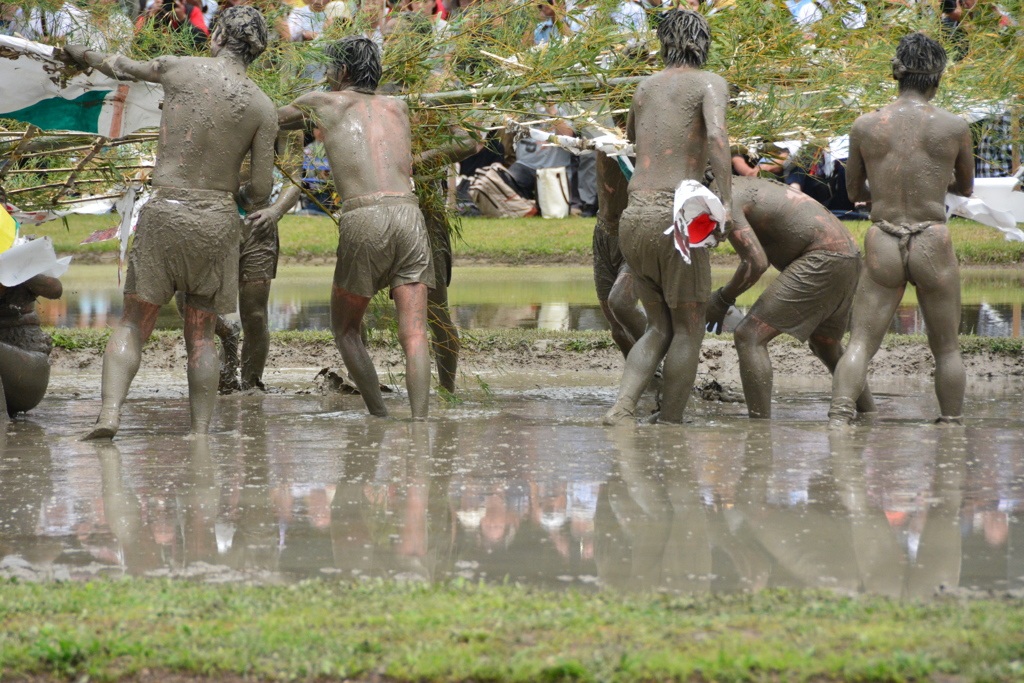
(753, 264)
(117, 66)
(298, 114)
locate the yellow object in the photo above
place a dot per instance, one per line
(8, 229)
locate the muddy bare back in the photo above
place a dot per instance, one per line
(210, 120)
(667, 123)
(787, 222)
(368, 141)
(909, 151)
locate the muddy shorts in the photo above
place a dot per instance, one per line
(812, 296)
(608, 260)
(659, 271)
(187, 241)
(258, 259)
(382, 243)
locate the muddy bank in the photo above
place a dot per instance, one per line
(562, 351)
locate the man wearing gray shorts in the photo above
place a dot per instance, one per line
(383, 240)
(811, 298)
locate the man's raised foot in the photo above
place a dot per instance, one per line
(618, 415)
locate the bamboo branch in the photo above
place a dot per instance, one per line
(70, 182)
(30, 132)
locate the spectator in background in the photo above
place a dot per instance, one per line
(530, 156)
(545, 30)
(180, 17)
(953, 12)
(7, 14)
(998, 149)
(806, 13)
(306, 22)
(208, 8)
(68, 24)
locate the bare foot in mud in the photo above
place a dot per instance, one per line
(618, 415)
(950, 421)
(104, 429)
(839, 423)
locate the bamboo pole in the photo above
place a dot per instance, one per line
(506, 92)
(22, 190)
(70, 182)
(65, 170)
(30, 133)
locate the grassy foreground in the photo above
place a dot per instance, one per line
(578, 341)
(469, 632)
(518, 240)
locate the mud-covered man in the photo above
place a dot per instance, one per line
(818, 262)
(911, 153)
(677, 121)
(383, 240)
(612, 278)
(189, 232)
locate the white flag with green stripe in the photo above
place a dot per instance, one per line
(37, 89)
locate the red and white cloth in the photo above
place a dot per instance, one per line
(698, 219)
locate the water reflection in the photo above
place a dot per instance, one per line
(508, 298)
(305, 486)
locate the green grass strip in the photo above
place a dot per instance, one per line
(580, 341)
(464, 631)
(511, 240)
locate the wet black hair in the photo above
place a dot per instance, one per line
(244, 30)
(359, 58)
(685, 38)
(918, 63)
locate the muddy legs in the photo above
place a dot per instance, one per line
(203, 367)
(121, 362)
(347, 311)
(674, 334)
(625, 319)
(682, 360)
(444, 335)
(411, 305)
(253, 298)
(752, 337)
(873, 309)
(829, 351)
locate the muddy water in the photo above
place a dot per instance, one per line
(504, 298)
(520, 481)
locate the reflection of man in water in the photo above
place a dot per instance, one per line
(811, 299)
(383, 238)
(189, 232)
(912, 153)
(678, 123)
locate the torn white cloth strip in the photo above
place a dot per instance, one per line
(35, 91)
(26, 259)
(978, 210)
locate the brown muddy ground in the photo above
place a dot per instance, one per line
(718, 357)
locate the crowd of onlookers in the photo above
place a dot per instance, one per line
(816, 168)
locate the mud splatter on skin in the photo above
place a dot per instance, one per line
(213, 117)
(777, 226)
(681, 105)
(908, 151)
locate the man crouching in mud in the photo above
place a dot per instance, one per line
(189, 232)
(912, 153)
(818, 262)
(677, 121)
(383, 240)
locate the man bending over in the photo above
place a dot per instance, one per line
(912, 153)
(678, 124)
(383, 240)
(189, 232)
(811, 299)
